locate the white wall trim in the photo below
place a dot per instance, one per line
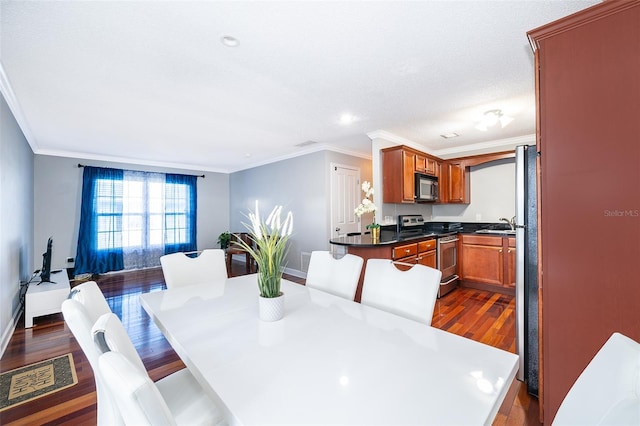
(7, 333)
(486, 147)
(459, 151)
(163, 164)
(14, 106)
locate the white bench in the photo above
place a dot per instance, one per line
(46, 298)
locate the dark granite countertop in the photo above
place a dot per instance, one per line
(389, 236)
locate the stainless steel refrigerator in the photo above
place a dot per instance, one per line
(527, 266)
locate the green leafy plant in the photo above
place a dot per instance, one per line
(223, 239)
(268, 247)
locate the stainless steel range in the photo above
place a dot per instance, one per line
(414, 226)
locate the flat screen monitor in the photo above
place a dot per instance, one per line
(45, 272)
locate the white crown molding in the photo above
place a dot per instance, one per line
(459, 151)
(308, 150)
(129, 160)
(396, 140)
(194, 167)
(486, 147)
(14, 106)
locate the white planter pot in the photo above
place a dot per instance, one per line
(271, 308)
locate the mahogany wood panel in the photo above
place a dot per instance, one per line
(588, 95)
(479, 315)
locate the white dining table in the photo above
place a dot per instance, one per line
(328, 361)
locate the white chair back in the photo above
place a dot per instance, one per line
(85, 302)
(336, 276)
(175, 399)
(91, 297)
(110, 335)
(137, 396)
(411, 294)
(181, 270)
(607, 392)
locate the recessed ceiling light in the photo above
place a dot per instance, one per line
(450, 135)
(229, 41)
(347, 118)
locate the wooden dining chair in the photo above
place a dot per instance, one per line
(336, 276)
(175, 399)
(410, 293)
(180, 269)
(235, 249)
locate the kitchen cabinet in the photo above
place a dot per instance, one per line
(427, 253)
(454, 185)
(398, 168)
(587, 73)
(426, 165)
(488, 262)
(399, 165)
(422, 252)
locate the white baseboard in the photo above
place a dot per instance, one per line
(7, 333)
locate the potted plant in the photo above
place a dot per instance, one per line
(269, 249)
(223, 239)
(367, 206)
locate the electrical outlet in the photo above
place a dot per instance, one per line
(70, 260)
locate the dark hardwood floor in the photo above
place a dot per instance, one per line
(476, 314)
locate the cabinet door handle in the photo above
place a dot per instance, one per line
(509, 251)
(500, 251)
(407, 251)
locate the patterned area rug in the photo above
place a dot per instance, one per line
(27, 383)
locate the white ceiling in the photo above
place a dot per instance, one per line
(151, 83)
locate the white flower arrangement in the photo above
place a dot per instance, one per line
(367, 206)
(269, 248)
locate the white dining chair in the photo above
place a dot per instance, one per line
(336, 276)
(180, 270)
(81, 310)
(607, 392)
(175, 399)
(411, 293)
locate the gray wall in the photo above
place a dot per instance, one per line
(58, 188)
(301, 185)
(493, 195)
(16, 219)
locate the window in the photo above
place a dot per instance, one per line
(129, 219)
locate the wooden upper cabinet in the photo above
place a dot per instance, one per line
(426, 165)
(398, 176)
(454, 185)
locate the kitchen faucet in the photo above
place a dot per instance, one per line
(511, 222)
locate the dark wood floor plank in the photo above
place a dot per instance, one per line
(476, 314)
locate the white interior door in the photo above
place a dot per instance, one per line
(345, 193)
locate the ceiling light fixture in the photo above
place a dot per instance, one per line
(491, 118)
(450, 135)
(347, 118)
(229, 41)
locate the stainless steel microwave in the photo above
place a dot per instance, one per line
(426, 188)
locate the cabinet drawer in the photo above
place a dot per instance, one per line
(482, 240)
(405, 250)
(426, 246)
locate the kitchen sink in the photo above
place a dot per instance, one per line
(497, 231)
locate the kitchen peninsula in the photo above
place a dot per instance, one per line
(410, 242)
(420, 249)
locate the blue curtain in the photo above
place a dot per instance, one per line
(100, 252)
(180, 213)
